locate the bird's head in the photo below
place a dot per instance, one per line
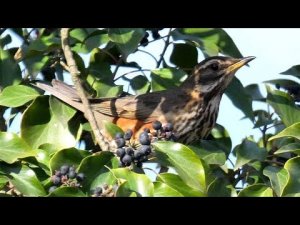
(214, 74)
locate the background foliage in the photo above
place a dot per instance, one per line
(52, 132)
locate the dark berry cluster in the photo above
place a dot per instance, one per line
(103, 191)
(66, 176)
(131, 151)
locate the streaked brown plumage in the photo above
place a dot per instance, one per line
(192, 108)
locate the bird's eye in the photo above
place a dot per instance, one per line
(214, 66)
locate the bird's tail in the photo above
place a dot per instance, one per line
(63, 92)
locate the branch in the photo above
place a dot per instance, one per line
(165, 48)
(73, 69)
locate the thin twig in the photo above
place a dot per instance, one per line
(101, 140)
(133, 71)
(148, 53)
(165, 48)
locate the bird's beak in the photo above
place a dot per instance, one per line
(239, 63)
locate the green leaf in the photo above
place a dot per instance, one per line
(278, 177)
(292, 147)
(3, 181)
(164, 190)
(17, 95)
(210, 152)
(10, 72)
(186, 163)
(284, 106)
(127, 39)
(24, 179)
(166, 78)
(95, 169)
(248, 151)
(243, 101)
(44, 43)
(221, 188)
(184, 55)
(70, 156)
(293, 185)
(112, 129)
(254, 91)
(107, 90)
(140, 84)
(89, 38)
(283, 83)
(211, 41)
(256, 190)
(176, 183)
(262, 118)
(67, 192)
(46, 120)
(294, 71)
(138, 183)
(291, 131)
(13, 147)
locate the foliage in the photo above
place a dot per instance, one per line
(52, 134)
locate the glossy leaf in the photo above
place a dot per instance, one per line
(107, 90)
(166, 78)
(10, 72)
(176, 183)
(17, 95)
(3, 181)
(291, 131)
(294, 71)
(210, 40)
(46, 121)
(138, 183)
(243, 101)
(292, 147)
(140, 84)
(284, 106)
(278, 177)
(210, 152)
(67, 192)
(282, 83)
(254, 91)
(95, 169)
(13, 147)
(112, 129)
(186, 163)
(221, 188)
(127, 39)
(293, 184)
(248, 151)
(164, 190)
(70, 156)
(256, 190)
(24, 179)
(184, 56)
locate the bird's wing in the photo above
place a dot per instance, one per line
(144, 107)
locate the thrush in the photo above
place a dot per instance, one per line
(192, 107)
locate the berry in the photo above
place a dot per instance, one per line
(129, 151)
(128, 134)
(80, 177)
(72, 174)
(139, 164)
(144, 138)
(64, 169)
(56, 180)
(138, 155)
(120, 142)
(145, 149)
(72, 168)
(168, 127)
(120, 152)
(147, 130)
(168, 135)
(57, 173)
(143, 159)
(52, 188)
(118, 135)
(156, 125)
(127, 159)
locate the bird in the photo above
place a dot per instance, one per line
(192, 107)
